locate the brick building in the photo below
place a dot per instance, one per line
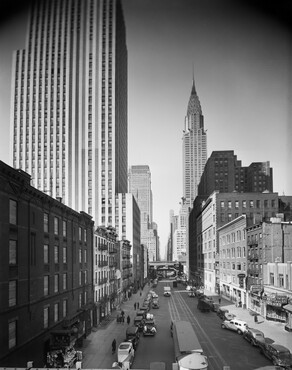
(45, 271)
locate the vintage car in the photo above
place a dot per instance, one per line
(253, 336)
(149, 327)
(236, 325)
(139, 322)
(278, 354)
(155, 303)
(126, 353)
(224, 314)
(133, 335)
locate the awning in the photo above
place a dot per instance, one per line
(288, 307)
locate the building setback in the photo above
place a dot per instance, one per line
(45, 271)
(69, 104)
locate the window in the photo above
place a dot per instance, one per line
(46, 253)
(229, 204)
(281, 280)
(12, 293)
(80, 300)
(80, 255)
(12, 212)
(56, 226)
(85, 256)
(65, 307)
(56, 254)
(12, 252)
(244, 204)
(64, 281)
(80, 277)
(222, 204)
(80, 233)
(64, 229)
(64, 255)
(46, 222)
(251, 203)
(56, 312)
(85, 235)
(56, 283)
(271, 278)
(236, 204)
(46, 317)
(46, 285)
(12, 331)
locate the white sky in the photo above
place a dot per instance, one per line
(241, 57)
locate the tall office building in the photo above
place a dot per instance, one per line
(140, 187)
(69, 104)
(194, 148)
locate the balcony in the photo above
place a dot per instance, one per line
(112, 250)
(102, 247)
(102, 263)
(253, 257)
(102, 281)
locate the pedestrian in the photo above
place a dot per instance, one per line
(123, 313)
(135, 306)
(114, 343)
(138, 305)
(140, 293)
(128, 320)
(219, 300)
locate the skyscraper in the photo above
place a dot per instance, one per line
(194, 148)
(140, 187)
(69, 104)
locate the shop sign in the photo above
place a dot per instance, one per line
(277, 300)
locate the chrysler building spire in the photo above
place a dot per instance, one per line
(194, 147)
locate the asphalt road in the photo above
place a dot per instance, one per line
(222, 347)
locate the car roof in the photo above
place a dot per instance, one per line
(239, 321)
(257, 331)
(279, 347)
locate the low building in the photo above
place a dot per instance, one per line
(45, 272)
(233, 261)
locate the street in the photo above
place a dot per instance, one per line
(222, 347)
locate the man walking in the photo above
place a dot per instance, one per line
(128, 319)
(114, 344)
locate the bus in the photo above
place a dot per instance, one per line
(188, 350)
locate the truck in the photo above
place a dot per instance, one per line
(188, 350)
(204, 304)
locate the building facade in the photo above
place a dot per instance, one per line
(128, 228)
(45, 271)
(194, 145)
(233, 260)
(225, 173)
(69, 104)
(104, 270)
(208, 215)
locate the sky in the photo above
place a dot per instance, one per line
(240, 55)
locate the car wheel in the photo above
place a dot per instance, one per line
(239, 331)
(223, 326)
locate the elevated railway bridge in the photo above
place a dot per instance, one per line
(166, 269)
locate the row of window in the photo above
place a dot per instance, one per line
(251, 203)
(13, 210)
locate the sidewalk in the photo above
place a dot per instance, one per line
(271, 329)
(97, 347)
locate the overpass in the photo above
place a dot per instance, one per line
(166, 269)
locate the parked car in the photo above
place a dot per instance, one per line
(253, 336)
(224, 314)
(149, 327)
(139, 322)
(132, 335)
(155, 303)
(236, 325)
(126, 352)
(278, 354)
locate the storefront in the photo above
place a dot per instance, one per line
(62, 353)
(274, 307)
(288, 309)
